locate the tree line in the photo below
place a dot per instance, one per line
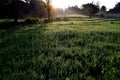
(89, 9)
(16, 9)
(116, 9)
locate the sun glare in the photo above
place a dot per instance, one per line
(59, 4)
(65, 3)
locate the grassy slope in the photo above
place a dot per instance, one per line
(79, 49)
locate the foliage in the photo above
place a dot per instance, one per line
(37, 8)
(58, 19)
(90, 9)
(116, 9)
(13, 9)
(103, 9)
(49, 9)
(66, 19)
(33, 21)
(16, 9)
(89, 49)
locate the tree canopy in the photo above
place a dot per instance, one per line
(22, 8)
(116, 9)
(103, 9)
(90, 9)
(13, 9)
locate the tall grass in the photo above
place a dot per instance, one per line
(86, 49)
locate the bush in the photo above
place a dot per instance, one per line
(112, 22)
(65, 19)
(47, 21)
(72, 23)
(33, 21)
(58, 19)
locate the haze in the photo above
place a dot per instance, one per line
(65, 3)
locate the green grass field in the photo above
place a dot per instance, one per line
(77, 49)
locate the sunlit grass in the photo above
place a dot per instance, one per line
(75, 15)
(77, 49)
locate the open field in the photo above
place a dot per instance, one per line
(77, 49)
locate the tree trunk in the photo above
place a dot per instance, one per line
(90, 16)
(48, 9)
(15, 10)
(49, 15)
(15, 19)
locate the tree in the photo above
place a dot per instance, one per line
(16, 9)
(103, 9)
(49, 9)
(19, 8)
(90, 9)
(116, 9)
(12, 9)
(37, 8)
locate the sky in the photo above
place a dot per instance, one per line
(65, 3)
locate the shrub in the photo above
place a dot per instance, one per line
(65, 19)
(112, 22)
(47, 21)
(72, 23)
(33, 21)
(58, 19)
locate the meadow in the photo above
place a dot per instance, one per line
(76, 49)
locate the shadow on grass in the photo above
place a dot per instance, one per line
(10, 25)
(17, 51)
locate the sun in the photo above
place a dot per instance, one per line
(59, 4)
(66, 3)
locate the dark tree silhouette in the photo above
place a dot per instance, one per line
(16, 9)
(37, 8)
(90, 9)
(12, 9)
(116, 9)
(103, 9)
